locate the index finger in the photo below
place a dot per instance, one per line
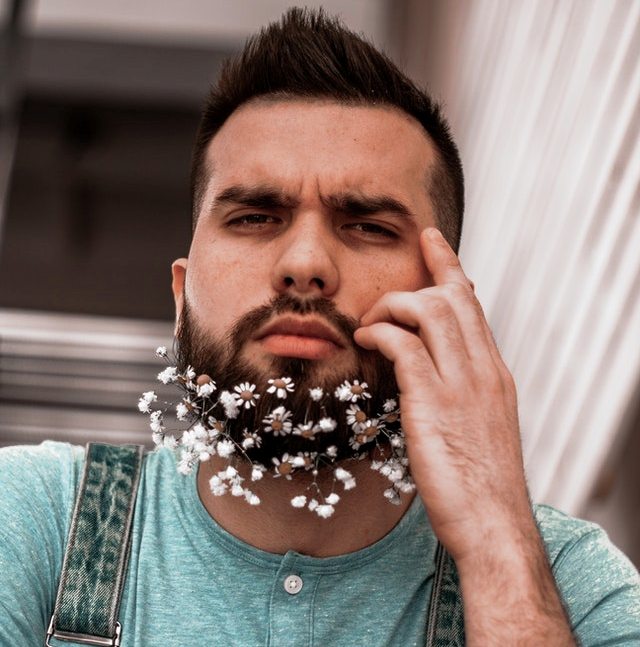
(441, 261)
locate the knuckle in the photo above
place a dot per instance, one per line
(459, 290)
(452, 261)
(439, 308)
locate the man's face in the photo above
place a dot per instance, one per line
(307, 202)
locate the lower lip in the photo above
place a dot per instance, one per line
(299, 346)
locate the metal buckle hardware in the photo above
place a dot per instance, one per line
(83, 639)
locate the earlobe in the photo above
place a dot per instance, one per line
(178, 274)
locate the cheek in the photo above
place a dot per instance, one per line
(400, 277)
(221, 286)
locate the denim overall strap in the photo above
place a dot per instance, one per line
(445, 620)
(95, 562)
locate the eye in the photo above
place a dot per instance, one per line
(252, 221)
(371, 230)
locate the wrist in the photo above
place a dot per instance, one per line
(512, 566)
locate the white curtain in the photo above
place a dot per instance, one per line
(544, 102)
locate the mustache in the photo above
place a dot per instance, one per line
(248, 323)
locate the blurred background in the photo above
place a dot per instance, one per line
(99, 104)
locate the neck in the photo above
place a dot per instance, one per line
(361, 517)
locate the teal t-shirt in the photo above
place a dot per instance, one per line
(190, 583)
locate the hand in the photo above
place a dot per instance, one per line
(458, 404)
(460, 417)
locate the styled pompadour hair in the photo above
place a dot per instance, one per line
(308, 55)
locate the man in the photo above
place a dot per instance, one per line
(327, 213)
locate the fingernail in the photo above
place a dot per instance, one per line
(434, 233)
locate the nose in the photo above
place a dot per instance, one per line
(306, 265)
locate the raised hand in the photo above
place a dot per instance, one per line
(460, 417)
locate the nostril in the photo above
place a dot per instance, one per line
(289, 281)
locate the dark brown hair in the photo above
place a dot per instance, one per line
(310, 55)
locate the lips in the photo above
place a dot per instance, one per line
(312, 328)
(303, 338)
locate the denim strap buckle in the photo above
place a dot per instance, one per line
(95, 561)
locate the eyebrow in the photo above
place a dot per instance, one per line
(347, 203)
(352, 204)
(259, 197)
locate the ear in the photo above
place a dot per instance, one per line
(178, 273)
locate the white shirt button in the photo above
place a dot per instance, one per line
(293, 584)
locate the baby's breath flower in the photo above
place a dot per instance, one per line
(206, 389)
(225, 448)
(342, 474)
(169, 375)
(155, 422)
(182, 411)
(316, 394)
(389, 405)
(349, 484)
(393, 470)
(187, 462)
(343, 392)
(230, 473)
(281, 386)
(348, 481)
(158, 438)
(144, 403)
(327, 424)
(188, 438)
(170, 442)
(304, 459)
(332, 499)
(228, 401)
(161, 351)
(332, 451)
(324, 510)
(252, 499)
(237, 490)
(299, 501)
(217, 485)
(257, 472)
(245, 395)
(406, 486)
(392, 495)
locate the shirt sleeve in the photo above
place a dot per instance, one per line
(600, 587)
(37, 490)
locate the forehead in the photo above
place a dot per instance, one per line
(301, 145)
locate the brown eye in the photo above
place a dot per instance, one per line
(372, 229)
(252, 220)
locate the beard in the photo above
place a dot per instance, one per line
(223, 361)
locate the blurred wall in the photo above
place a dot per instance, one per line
(543, 98)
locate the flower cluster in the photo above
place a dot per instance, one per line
(209, 413)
